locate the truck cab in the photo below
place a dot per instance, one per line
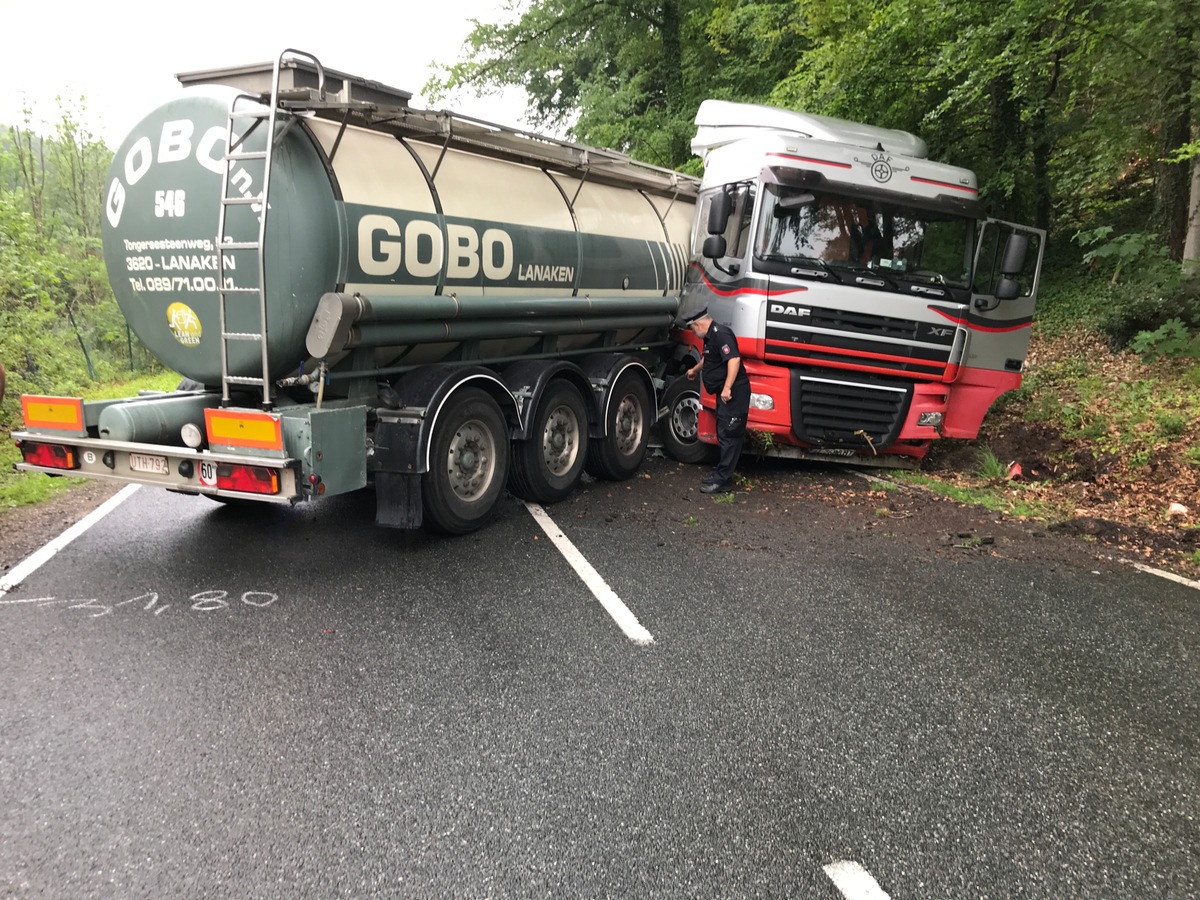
(876, 308)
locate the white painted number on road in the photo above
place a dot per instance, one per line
(204, 601)
(854, 882)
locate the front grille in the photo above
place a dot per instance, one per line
(847, 412)
(851, 340)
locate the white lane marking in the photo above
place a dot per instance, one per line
(35, 560)
(598, 586)
(854, 882)
(1167, 575)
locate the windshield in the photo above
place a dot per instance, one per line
(837, 232)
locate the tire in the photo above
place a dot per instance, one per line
(618, 454)
(680, 427)
(547, 467)
(468, 463)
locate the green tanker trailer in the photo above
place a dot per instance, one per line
(358, 292)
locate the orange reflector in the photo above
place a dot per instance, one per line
(250, 479)
(51, 456)
(243, 429)
(58, 413)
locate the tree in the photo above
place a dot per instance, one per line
(79, 162)
(618, 73)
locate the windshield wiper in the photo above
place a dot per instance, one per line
(869, 277)
(802, 266)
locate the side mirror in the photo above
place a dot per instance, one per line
(714, 246)
(718, 214)
(1008, 288)
(1015, 249)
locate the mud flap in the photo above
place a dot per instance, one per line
(397, 479)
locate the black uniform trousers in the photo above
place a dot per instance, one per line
(731, 429)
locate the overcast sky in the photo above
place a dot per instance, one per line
(122, 55)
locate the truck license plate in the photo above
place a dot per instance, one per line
(155, 465)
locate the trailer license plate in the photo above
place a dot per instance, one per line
(155, 465)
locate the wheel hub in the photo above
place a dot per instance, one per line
(472, 460)
(628, 425)
(560, 441)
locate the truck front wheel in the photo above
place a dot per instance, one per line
(547, 467)
(681, 426)
(468, 463)
(618, 454)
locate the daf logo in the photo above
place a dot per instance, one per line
(780, 309)
(881, 168)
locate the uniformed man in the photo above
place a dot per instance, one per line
(724, 376)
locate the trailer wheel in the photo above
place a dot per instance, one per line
(680, 427)
(547, 467)
(468, 463)
(618, 454)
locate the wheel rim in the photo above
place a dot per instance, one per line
(685, 418)
(628, 425)
(471, 460)
(560, 441)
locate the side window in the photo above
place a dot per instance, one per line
(743, 216)
(990, 253)
(700, 226)
(737, 231)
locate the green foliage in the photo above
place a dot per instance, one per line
(60, 327)
(1008, 500)
(1119, 251)
(1171, 339)
(24, 488)
(760, 443)
(1147, 305)
(989, 467)
(1074, 115)
(626, 74)
(1120, 285)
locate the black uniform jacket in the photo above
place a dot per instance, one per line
(720, 346)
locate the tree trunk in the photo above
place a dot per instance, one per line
(1172, 186)
(1191, 242)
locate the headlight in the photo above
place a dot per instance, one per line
(762, 401)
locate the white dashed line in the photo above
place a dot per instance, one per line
(854, 882)
(35, 560)
(625, 619)
(1179, 579)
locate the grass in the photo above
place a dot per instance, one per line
(26, 488)
(997, 499)
(990, 468)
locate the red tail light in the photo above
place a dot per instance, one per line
(52, 456)
(250, 479)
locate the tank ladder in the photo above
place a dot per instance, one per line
(227, 291)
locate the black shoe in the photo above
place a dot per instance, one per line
(716, 487)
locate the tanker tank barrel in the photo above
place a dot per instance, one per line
(387, 334)
(343, 321)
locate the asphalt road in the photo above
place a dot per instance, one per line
(204, 702)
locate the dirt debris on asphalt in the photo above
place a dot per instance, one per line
(773, 499)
